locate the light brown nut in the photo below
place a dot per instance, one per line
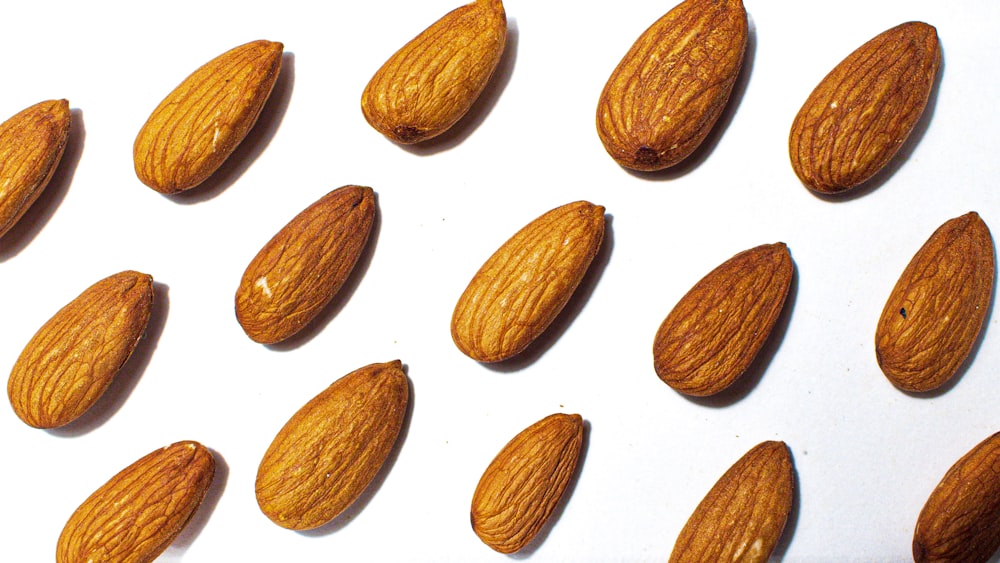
(742, 516)
(857, 118)
(432, 81)
(938, 306)
(69, 363)
(304, 265)
(523, 484)
(202, 121)
(520, 290)
(31, 146)
(135, 515)
(673, 84)
(331, 449)
(716, 330)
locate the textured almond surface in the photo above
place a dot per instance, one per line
(673, 84)
(430, 83)
(857, 118)
(521, 288)
(135, 515)
(69, 363)
(523, 484)
(331, 449)
(304, 266)
(202, 121)
(938, 306)
(716, 330)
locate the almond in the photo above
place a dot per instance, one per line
(31, 145)
(304, 266)
(857, 118)
(523, 484)
(433, 80)
(673, 84)
(198, 125)
(716, 330)
(519, 291)
(134, 516)
(69, 363)
(331, 449)
(742, 516)
(938, 306)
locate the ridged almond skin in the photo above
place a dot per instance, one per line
(70, 361)
(937, 308)
(524, 285)
(137, 514)
(523, 484)
(432, 81)
(743, 515)
(304, 265)
(31, 146)
(859, 115)
(715, 331)
(668, 91)
(331, 449)
(202, 121)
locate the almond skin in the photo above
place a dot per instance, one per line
(202, 121)
(303, 267)
(69, 363)
(430, 83)
(857, 118)
(520, 290)
(523, 484)
(134, 516)
(673, 84)
(938, 306)
(31, 146)
(716, 330)
(331, 449)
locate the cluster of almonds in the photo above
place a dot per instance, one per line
(657, 107)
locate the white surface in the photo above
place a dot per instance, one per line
(867, 456)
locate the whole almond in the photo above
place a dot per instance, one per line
(69, 363)
(303, 267)
(521, 289)
(31, 146)
(202, 121)
(523, 484)
(433, 80)
(742, 516)
(331, 449)
(135, 515)
(938, 306)
(673, 84)
(716, 330)
(857, 118)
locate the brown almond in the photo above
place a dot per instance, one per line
(523, 484)
(331, 449)
(135, 515)
(69, 363)
(432, 81)
(304, 265)
(716, 330)
(938, 306)
(521, 289)
(673, 84)
(202, 121)
(858, 117)
(743, 515)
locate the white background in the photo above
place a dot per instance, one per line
(866, 455)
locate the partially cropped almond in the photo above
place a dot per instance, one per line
(433, 80)
(69, 363)
(202, 121)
